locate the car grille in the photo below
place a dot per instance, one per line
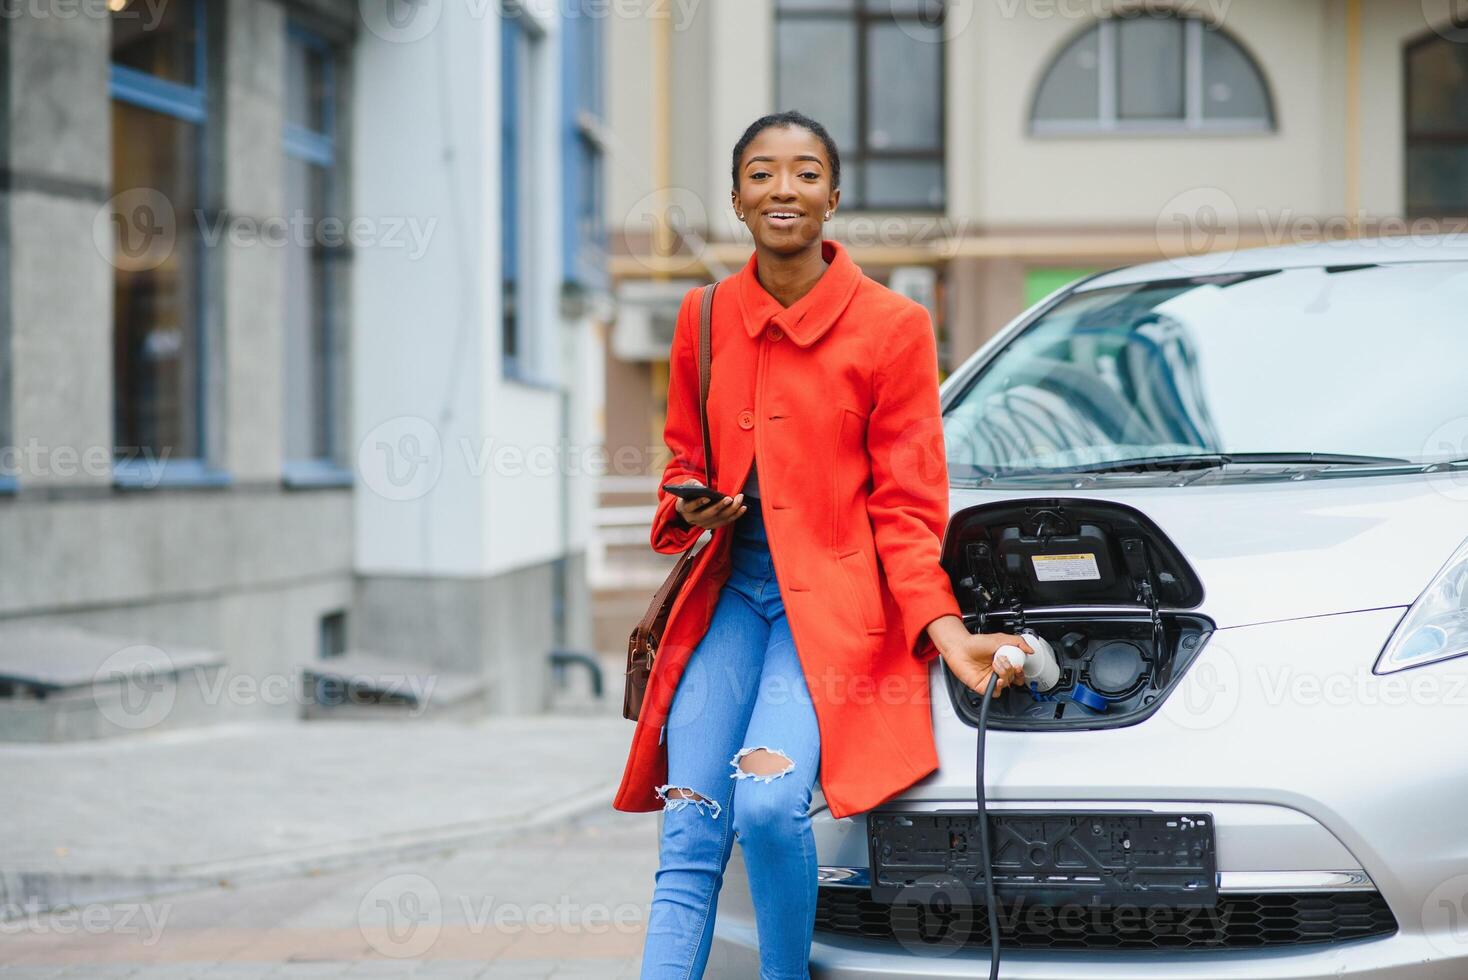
(1239, 921)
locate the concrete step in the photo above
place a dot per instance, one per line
(361, 685)
(60, 684)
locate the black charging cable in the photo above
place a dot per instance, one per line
(986, 855)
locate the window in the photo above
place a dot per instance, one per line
(332, 635)
(1152, 73)
(1437, 127)
(521, 51)
(871, 72)
(159, 342)
(583, 234)
(312, 362)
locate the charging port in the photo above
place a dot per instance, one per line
(1098, 581)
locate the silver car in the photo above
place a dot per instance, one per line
(1231, 493)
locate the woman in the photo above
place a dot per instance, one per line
(828, 381)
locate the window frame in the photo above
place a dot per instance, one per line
(528, 97)
(320, 149)
(188, 103)
(1409, 138)
(857, 157)
(583, 151)
(1108, 120)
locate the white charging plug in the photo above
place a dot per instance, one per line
(1042, 670)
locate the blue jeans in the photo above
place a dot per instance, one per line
(742, 690)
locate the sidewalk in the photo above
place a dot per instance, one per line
(131, 817)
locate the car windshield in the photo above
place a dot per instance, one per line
(1338, 366)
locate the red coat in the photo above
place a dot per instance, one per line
(838, 397)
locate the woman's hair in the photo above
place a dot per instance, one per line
(790, 117)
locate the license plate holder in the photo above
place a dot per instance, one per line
(1047, 857)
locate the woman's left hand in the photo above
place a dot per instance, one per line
(970, 656)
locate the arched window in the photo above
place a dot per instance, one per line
(1151, 73)
(1437, 127)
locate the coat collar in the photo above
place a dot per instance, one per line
(811, 315)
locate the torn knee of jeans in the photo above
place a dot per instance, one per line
(677, 797)
(760, 762)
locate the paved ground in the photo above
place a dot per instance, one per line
(564, 903)
(169, 811)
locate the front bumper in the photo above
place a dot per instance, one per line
(1308, 762)
(1397, 958)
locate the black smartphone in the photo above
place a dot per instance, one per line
(693, 492)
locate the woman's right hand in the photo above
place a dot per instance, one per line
(709, 514)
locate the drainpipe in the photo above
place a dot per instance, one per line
(1353, 116)
(662, 139)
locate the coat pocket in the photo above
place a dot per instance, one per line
(861, 584)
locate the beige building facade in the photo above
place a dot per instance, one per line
(993, 151)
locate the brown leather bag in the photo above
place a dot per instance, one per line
(642, 645)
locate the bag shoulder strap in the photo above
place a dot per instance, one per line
(705, 363)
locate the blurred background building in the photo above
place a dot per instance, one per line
(296, 328)
(995, 151)
(337, 329)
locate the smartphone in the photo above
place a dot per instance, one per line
(694, 492)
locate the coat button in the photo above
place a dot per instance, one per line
(776, 333)
(746, 419)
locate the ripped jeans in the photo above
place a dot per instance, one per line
(742, 691)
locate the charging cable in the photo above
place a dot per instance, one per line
(985, 854)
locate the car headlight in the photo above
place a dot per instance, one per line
(1436, 627)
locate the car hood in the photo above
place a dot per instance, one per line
(1275, 551)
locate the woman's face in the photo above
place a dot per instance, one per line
(784, 189)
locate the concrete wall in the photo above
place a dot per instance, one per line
(247, 569)
(59, 300)
(249, 280)
(428, 366)
(494, 627)
(458, 570)
(246, 574)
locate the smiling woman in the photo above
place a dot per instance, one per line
(828, 381)
(784, 188)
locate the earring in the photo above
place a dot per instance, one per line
(740, 214)
(828, 215)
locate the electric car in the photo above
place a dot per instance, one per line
(1230, 492)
